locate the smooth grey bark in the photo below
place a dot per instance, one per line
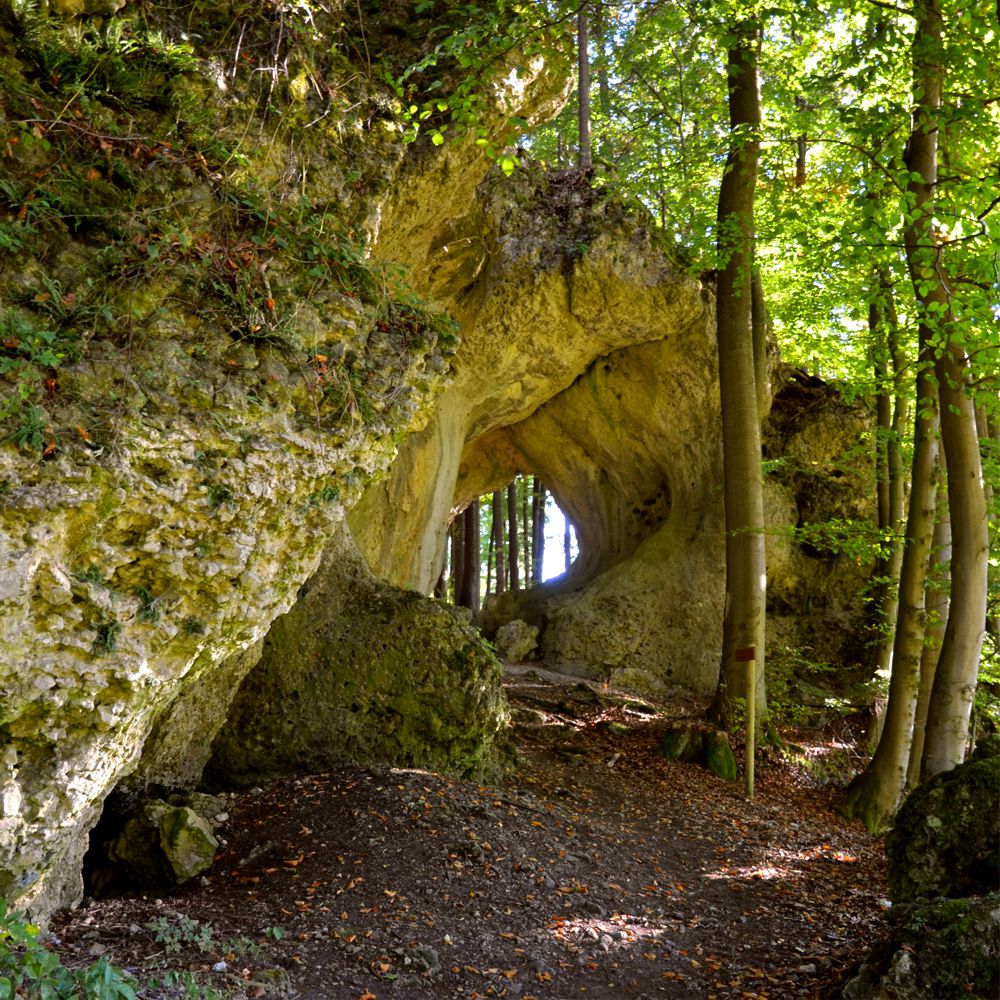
(936, 608)
(957, 671)
(746, 574)
(513, 567)
(585, 154)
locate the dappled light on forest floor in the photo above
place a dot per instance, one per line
(598, 868)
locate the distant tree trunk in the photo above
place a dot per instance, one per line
(743, 626)
(537, 529)
(936, 613)
(489, 560)
(527, 538)
(470, 558)
(585, 156)
(512, 561)
(957, 671)
(457, 559)
(567, 543)
(499, 544)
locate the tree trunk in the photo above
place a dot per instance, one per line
(567, 543)
(513, 568)
(875, 795)
(457, 558)
(760, 320)
(537, 529)
(892, 409)
(527, 539)
(470, 558)
(585, 156)
(957, 670)
(499, 543)
(936, 606)
(743, 626)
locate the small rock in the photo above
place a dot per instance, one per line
(809, 968)
(220, 967)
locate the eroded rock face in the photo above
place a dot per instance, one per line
(205, 442)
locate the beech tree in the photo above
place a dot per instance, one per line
(746, 573)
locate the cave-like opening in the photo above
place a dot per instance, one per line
(508, 539)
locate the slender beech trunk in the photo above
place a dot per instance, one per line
(936, 607)
(745, 564)
(457, 559)
(470, 558)
(585, 155)
(537, 529)
(892, 410)
(958, 665)
(760, 320)
(875, 795)
(513, 569)
(526, 530)
(567, 544)
(499, 543)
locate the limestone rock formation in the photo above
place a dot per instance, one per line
(164, 845)
(201, 368)
(359, 670)
(946, 837)
(944, 876)
(516, 640)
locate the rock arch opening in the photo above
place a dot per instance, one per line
(510, 538)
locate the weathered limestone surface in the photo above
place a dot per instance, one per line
(360, 670)
(154, 547)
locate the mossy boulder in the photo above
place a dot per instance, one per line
(698, 743)
(938, 949)
(164, 845)
(363, 671)
(946, 839)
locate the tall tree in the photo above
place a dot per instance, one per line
(499, 542)
(469, 595)
(585, 154)
(512, 542)
(955, 679)
(537, 529)
(745, 563)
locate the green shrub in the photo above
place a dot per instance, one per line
(29, 969)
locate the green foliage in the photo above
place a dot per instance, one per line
(29, 969)
(106, 635)
(180, 931)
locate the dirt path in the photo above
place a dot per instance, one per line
(598, 870)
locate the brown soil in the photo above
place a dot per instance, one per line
(598, 869)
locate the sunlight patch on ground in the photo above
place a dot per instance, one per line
(620, 930)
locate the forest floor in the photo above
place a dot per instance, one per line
(598, 869)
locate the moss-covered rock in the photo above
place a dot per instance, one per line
(939, 949)
(363, 671)
(946, 838)
(698, 743)
(163, 845)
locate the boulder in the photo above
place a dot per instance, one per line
(699, 743)
(163, 845)
(938, 949)
(362, 671)
(946, 838)
(516, 640)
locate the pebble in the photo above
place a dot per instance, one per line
(220, 967)
(809, 968)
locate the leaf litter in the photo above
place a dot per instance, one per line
(598, 869)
